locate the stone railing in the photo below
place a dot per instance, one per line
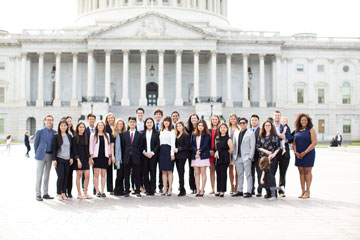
(72, 31)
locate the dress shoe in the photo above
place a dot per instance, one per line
(126, 195)
(267, 196)
(193, 191)
(253, 193)
(247, 195)
(138, 195)
(103, 195)
(39, 198)
(47, 196)
(217, 194)
(98, 195)
(258, 194)
(69, 195)
(181, 194)
(221, 195)
(238, 194)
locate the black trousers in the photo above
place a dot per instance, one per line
(135, 169)
(70, 179)
(180, 167)
(255, 168)
(161, 185)
(191, 177)
(119, 182)
(109, 178)
(283, 164)
(28, 149)
(62, 170)
(149, 174)
(221, 176)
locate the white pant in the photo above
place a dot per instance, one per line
(242, 167)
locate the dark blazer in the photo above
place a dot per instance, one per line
(56, 146)
(182, 144)
(88, 133)
(134, 148)
(256, 154)
(204, 146)
(154, 143)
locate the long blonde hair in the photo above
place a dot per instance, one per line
(107, 120)
(219, 121)
(233, 115)
(115, 131)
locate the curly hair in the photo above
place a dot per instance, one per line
(298, 121)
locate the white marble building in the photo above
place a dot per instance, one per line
(175, 54)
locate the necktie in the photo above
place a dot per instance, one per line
(92, 130)
(131, 138)
(157, 126)
(253, 129)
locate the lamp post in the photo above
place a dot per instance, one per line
(52, 74)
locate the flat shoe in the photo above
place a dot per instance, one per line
(103, 195)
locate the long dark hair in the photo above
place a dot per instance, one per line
(77, 133)
(149, 118)
(190, 127)
(97, 132)
(263, 131)
(58, 135)
(168, 119)
(298, 121)
(205, 131)
(218, 135)
(72, 127)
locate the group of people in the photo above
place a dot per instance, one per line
(136, 147)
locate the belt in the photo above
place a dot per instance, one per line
(48, 152)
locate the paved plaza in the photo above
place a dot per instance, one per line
(332, 212)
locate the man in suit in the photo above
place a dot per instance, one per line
(244, 149)
(175, 116)
(158, 115)
(91, 118)
(255, 164)
(43, 151)
(338, 139)
(132, 156)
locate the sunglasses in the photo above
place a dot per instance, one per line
(242, 122)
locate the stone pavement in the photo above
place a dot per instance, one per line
(333, 212)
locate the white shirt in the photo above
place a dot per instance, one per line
(132, 132)
(168, 138)
(148, 142)
(8, 141)
(140, 126)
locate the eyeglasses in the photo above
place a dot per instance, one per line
(242, 122)
(267, 125)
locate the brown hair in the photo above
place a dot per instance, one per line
(159, 111)
(233, 115)
(182, 124)
(97, 132)
(218, 135)
(167, 118)
(115, 131)
(264, 163)
(8, 136)
(263, 131)
(77, 133)
(107, 120)
(49, 115)
(298, 121)
(58, 134)
(205, 131)
(219, 121)
(190, 128)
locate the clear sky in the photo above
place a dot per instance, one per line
(324, 17)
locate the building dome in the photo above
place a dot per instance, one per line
(104, 12)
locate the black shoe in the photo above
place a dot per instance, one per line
(181, 194)
(47, 196)
(217, 194)
(247, 195)
(193, 191)
(238, 194)
(103, 195)
(133, 193)
(111, 193)
(258, 194)
(69, 195)
(253, 193)
(221, 195)
(138, 195)
(39, 198)
(160, 191)
(126, 195)
(267, 196)
(98, 195)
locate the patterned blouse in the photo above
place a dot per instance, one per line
(270, 143)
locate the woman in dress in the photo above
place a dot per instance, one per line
(233, 130)
(100, 154)
(224, 148)
(109, 126)
(191, 126)
(304, 149)
(200, 144)
(71, 131)
(182, 145)
(167, 155)
(82, 159)
(268, 145)
(214, 125)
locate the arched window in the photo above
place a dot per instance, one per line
(346, 93)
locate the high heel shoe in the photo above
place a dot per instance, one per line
(302, 195)
(306, 196)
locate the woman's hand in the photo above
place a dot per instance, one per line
(216, 155)
(268, 152)
(297, 155)
(212, 153)
(113, 159)
(176, 150)
(79, 164)
(71, 161)
(109, 161)
(91, 161)
(54, 163)
(302, 155)
(262, 182)
(172, 158)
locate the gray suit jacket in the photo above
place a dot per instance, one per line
(247, 146)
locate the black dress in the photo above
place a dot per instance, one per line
(223, 148)
(269, 179)
(101, 161)
(81, 151)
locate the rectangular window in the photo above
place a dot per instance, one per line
(321, 126)
(300, 68)
(2, 66)
(320, 68)
(347, 126)
(321, 96)
(2, 126)
(300, 95)
(2, 94)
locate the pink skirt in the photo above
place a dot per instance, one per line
(200, 162)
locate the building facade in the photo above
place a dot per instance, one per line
(175, 54)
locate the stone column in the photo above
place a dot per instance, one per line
(74, 99)
(90, 76)
(160, 3)
(213, 75)
(196, 75)
(142, 100)
(178, 98)
(201, 4)
(210, 6)
(229, 101)
(86, 7)
(188, 3)
(245, 101)
(174, 3)
(57, 99)
(332, 99)
(161, 99)
(311, 94)
(125, 97)
(277, 79)
(108, 75)
(262, 102)
(23, 79)
(145, 2)
(40, 98)
(94, 5)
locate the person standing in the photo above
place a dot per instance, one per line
(82, 159)
(214, 125)
(191, 126)
(62, 157)
(255, 163)
(200, 144)
(158, 115)
(90, 129)
(132, 156)
(27, 143)
(175, 117)
(234, 130)
(182, 145)
(224, 149)
(150, 150)
(140, 119)
(304, 149)
(100, 154)
(339, 139)
(69, 181)
(43, 155)
(110, 125)
(244, 145)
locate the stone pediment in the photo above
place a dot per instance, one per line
(151, 25)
